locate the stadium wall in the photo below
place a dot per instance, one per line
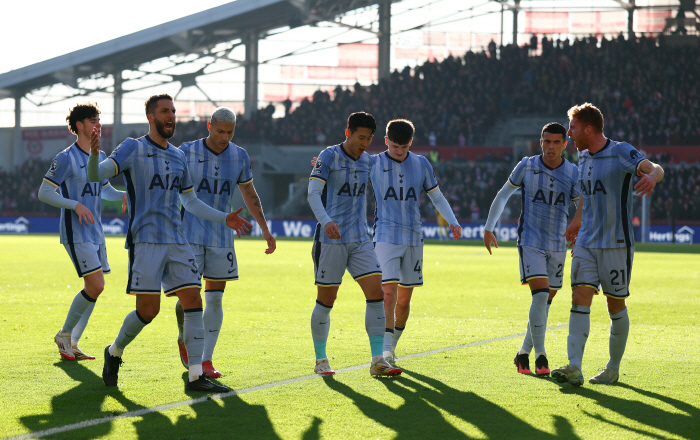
(305, 229)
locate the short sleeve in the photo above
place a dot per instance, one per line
(246, 174)
(59, 170)
(430, 183)
(575, 193)
(123, 155)
(629, 157)
(322, 168)
(516, 176)
(186, 182)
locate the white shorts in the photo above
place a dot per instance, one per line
(400, 263)
(540, 263)
(609, 270)
(88, 258)
(331, 260)
(216, 263)
(154, 265)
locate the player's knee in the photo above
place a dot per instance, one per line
(552, 294)
(582, 296)
(615, 305)
(149, 312)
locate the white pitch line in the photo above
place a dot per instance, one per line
(168, 406)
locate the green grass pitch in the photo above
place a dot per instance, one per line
(470, 392)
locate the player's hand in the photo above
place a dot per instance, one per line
(490, 239)
(645, 186)
(571, 233)
(238, 223)
(84, 214)
(456, 231)
(271, 242)
(332, 230)
(313, 161)
(95, 142)
(124, 204)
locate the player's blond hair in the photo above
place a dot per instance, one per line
(588, 114)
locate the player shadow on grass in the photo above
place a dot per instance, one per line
(684, 422)
(420, 417)
(82, 403)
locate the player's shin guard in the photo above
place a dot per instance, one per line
(375, 323)
(193, 335)
(538, 318)
(79, 328)
(78, 308)
(131, 327)
(398, 331)
(619, 330)
(579, 327)
(320, 326)
(213, 317)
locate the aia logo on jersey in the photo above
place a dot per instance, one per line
(541, 197)
(158, 181)
(219, 188)
(590, 190)
(94, 189)
(409, 195)
(352, 191)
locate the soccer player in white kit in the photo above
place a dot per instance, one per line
(216, 164)
(81, 223)
(548, 184)
(604, 240)
(157, 177)
(398, 177)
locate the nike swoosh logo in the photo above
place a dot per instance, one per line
(323, 322)
(198, 338)
(538, 172)
(617, 290)
(151, 154)
(83, 166)
(205, 160)
(344, 168)
(212, 331)
(231, 271)
(388, 169)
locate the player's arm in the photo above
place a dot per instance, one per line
(47, 194)
(314, 198)
(254, 205)
(197, 207)
(497, 206)
(443, 207)
(112, 194)
(572, 229)
(99, 171)
(650, 174)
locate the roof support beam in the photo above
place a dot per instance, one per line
(118, 93)
(17, 132)
(384, 49)
(251, 74)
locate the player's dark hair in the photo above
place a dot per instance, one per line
(588, 114)
(79, 113)
(554, 128)
(152, 102)
(361, 120)
(400, 131)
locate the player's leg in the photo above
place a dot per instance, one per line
(403, 309)
(584, 283)
(86, 259)
(181, 278)
(533, 272)
(330, 261)
(616, 288)
(411, 270)
(321, 325)
(199, 252)
(389, 256)
(365, 269)
(213, 318)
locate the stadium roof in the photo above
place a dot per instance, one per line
(194, 34)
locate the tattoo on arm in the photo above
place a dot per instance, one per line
(257, 200)
(262, 216)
